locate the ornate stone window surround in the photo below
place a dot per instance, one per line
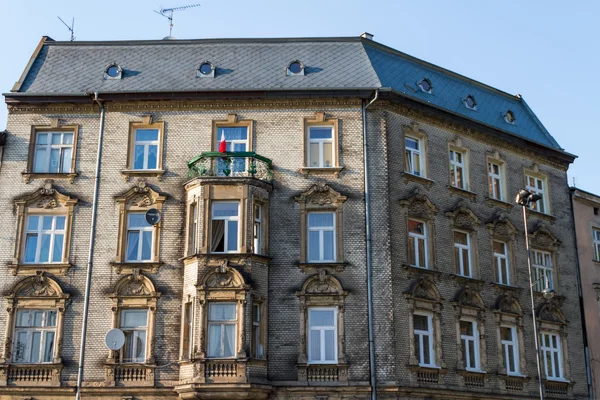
(462, 219)
(508, 313)
(134, 291)
(418, 207)
(502, 230)
(45, 201)
(322, 290)
(320, 119)
(551, 319)
(414, 132)
(321, 197)
(469, 306)
(55, 126)
(542, 239)
(40, 293)
(140, 198)
(146, 123)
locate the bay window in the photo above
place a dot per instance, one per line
(225, 230)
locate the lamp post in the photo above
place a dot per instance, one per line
(525, 198)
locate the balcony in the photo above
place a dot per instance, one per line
(31, 375)
(231, 164)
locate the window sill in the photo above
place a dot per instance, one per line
(128, 267)
(31, 269)
(419, 270)
(128, 173)
(541, 215)
(330, 267)
(498, 203)
(321, 171)
(463, 192)
(407, 176)
(502, 286)
(466, 279)
(28, 176)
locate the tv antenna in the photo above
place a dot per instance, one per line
(168, 13)
(70, 28)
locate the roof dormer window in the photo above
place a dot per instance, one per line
(470, 102)
(425, 85)
(509, 117)
(206, 70)
(113, 71)
(295, 68)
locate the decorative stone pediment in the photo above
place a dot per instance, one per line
(467, 297)
(37, 286)
(550, 311)
(418, 205)
(223, 277)
(322, 284)
(321, 196)
(47, 197)
(424, 289)
(500, 227)
(544, 238)
(140, 196)
(463, 218)
(135, 284)
(508, 303)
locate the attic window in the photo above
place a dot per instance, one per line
(470, 102)
(113, 71)
(426, 85)
(295, 68)
(509, 117)
(206, 70)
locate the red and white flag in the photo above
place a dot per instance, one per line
(222, 144)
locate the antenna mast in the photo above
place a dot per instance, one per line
(168, 13)
(70, 28)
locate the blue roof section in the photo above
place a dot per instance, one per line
(402, 73)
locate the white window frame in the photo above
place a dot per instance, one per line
(140, 230)
(514, 342)
(554, 352)
(193, 229)
(410, 154)
(542, 268)
(226, 232)
(540, 205)
(461, 261)
(465, 340)
(222, 324)
(61, 147)
(322, 330)
(39, 232)
(257, 229)
(498, 257)
(416, 238)
(421, 333)
(146, 144)
(495, 177)
(135, 334)
(455, 165)
(256, 330)
(320, 142)
(30, 330)
(596, 243)
(321, 230)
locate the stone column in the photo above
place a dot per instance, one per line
(151, 334)
(57, 359)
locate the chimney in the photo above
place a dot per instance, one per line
(367, 35)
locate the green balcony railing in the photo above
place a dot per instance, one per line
(231, 164)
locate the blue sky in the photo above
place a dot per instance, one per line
(545, 50)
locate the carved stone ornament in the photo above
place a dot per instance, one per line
(550, 311)
(37, 286)
(134, 284)
(425, 289)
(508, 303)
(418, 204)
(467, 297)
(223, 276)
(140, 195)
(322, 284)
(463, 218)
(320, 195)
(500, 227)
(543, 237)
(46, 197)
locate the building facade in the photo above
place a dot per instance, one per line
(245, 273)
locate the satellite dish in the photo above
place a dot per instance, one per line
(153, 216)
(114, 339)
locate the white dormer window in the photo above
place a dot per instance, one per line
(470, 102)
(425, 85)
(509, 117)
(295, 68)
(206, 70)
(113, 71)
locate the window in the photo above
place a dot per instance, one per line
(113, 71)
(134, 324)
(510, 349)
(470, 102)
(320, 148)
(457, 169)
(596, 240)
(321, 236)
(35, 332)
(495, 180)
(236, 140)
(542, 269)
(206, 70)
(417, 244)
(193, 229)
(501, 261)
(551, 355)
(222, 330)
(145, 150)
(295, 68)
(469, 339)
(424, 340)
(257, 337)
(322, 335)
(509, 117)
(53, 152)
(414, 157)
(225, 227)
(186, 344)
(462, 253)
(257, 230)
(537, 185)
(140, 238)
(425, 85)
(44, 239)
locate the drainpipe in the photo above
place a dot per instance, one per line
(88, 281)
(368, 236)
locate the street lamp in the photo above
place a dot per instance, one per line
(525, 198)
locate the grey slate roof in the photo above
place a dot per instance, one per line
(62, 68)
